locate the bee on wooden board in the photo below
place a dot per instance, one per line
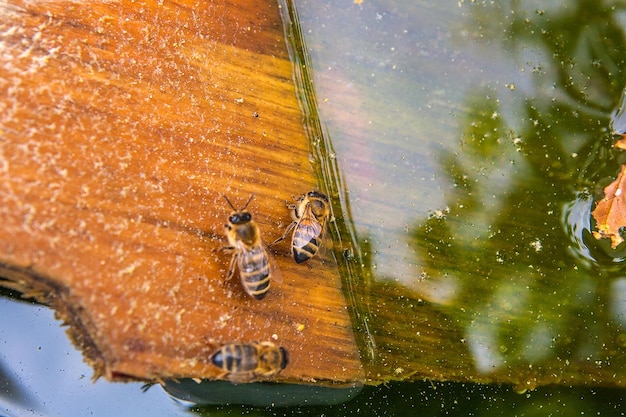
(250, 256)
(310, 215)
(246, 362)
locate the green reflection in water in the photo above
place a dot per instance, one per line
(449, 399)
(469, 137)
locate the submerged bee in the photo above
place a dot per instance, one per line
(249, 256)
(309, 220)
(246, 362)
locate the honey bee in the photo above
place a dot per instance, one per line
(246, 362)
(249, 256)
(309, 220)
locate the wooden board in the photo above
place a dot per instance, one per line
(122, 126)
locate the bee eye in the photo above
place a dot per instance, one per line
(318, 207)
(240, 218)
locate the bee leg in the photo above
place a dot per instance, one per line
(234, 378)
(231, 267)
(280, 239)
(294, 212)
(241, 378)
(224, 248)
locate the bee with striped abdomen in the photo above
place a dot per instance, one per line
(310, 215)
(247, 362)
(250, 256)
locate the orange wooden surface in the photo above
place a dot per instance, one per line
(122, 124)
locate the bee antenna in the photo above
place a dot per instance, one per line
(248, 202)
(229, 203)
(233, 207)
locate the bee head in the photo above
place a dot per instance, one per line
(240, 217)
(319, 204)
(317, 195)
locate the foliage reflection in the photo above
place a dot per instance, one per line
(528, 308)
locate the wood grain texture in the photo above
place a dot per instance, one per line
(122, 124)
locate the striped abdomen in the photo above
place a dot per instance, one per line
(247, 362)
(236, 358)
(254, 271)
(306, 240)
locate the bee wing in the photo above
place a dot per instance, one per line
(307, 229)
(325, 241)
(310, 235)
(275, 273)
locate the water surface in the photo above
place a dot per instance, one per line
(471, 140)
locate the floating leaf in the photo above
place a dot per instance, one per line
(621, 143)
(610, 213)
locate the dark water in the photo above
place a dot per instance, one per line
(42, 374)
(469, 142)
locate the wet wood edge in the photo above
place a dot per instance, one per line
(347, 249)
